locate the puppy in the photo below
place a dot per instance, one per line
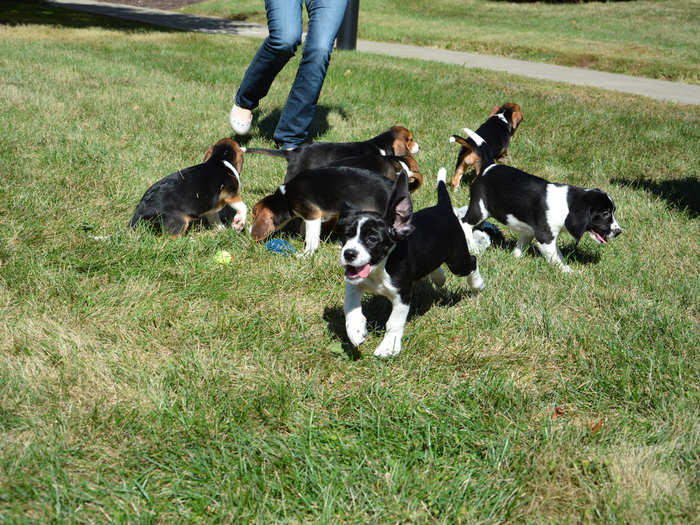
(386, 252)
(389, 166)
(533, 207)
(496, 131)
(395, 141)
(198, 191)
(317, 196)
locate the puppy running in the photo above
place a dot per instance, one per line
(496, 131)
(395, 141)
(535, 208)
(386, 252)
(198, 191)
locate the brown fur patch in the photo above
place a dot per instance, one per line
(263, 222)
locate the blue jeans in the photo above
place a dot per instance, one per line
(285, 27)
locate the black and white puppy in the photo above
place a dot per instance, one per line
(386, 253)
(535, 208)
(397, 140)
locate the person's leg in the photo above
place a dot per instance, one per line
(325, 17)
(284, 25)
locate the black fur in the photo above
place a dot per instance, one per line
(172, 202)
(319, 154)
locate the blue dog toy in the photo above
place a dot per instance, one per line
(280, 246)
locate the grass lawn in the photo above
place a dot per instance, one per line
(141, 382)
(650, 38)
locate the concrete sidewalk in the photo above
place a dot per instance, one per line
(656, 89)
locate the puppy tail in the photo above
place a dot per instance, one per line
(270, 152)
(443, 195)
(482, 150)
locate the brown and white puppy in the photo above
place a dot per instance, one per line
(496, 131)
(397, 141)
(317, 196)
(173, 202)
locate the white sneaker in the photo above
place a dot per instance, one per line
(240, 119)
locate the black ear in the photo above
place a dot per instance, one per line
(579, 219)
(399, 211)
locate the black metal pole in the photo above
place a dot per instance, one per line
(347, 35)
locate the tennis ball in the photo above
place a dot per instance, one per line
(223, 257)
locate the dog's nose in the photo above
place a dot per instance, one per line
(350, 254)
(616, 232)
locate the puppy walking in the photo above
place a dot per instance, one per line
(535, 208)
(386, 253)
(497, 131)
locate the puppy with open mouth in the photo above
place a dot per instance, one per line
(386, 253)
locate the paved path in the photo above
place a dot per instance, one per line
(656, 89)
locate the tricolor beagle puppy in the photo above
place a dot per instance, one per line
(317, 196)
(395, 141)
(198, 191)
(534, 208)
(496, 131)
(385, 251)
(389, 166)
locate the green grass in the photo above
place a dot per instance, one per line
(650, 38)
(141, 382)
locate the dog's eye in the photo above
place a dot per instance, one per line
(372, 238)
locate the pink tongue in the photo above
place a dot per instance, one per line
(363, 271)
(599, 237)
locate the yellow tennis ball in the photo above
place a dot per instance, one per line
(223, 257)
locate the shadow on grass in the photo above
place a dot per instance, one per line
(377, 308)
(37, 12)
(268, 122)
(572, 252)
(681, 194)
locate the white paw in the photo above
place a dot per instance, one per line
(475, 282)
(357, 331)
(566, 269)
(390, 347)
(481, 240)
(517, 252)
(239, 222)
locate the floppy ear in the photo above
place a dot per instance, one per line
(494, 110)
(516, 119)
(208, 154)
(238, 159)
(579, 219)
(399, 212)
